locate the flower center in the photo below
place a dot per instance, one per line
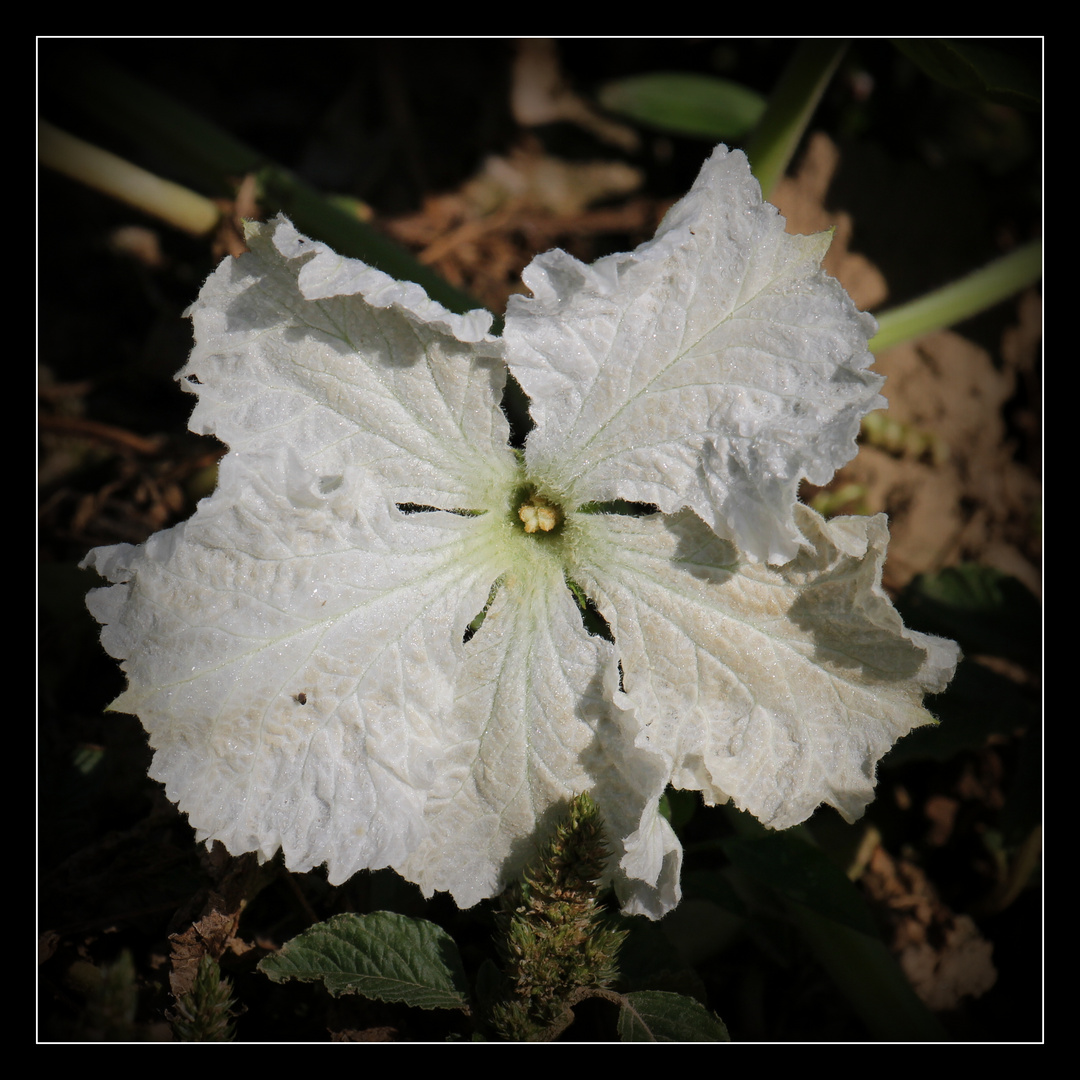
(539, 514)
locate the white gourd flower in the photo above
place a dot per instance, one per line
(305, 652)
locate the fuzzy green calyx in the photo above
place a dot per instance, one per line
(205, 1013)
(557, 942)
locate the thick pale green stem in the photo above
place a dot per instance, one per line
(960, 300)
(790, 107)
(120, 179)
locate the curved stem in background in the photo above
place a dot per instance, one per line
(961, 299)
(113, 176)
(791, 104)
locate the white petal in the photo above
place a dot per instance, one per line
(297, 347)
(714, 367)
(779, 688)
(294, 667)
(292, 649)
(651, 867)
(533, 728)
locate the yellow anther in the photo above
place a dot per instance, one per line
(538, 515)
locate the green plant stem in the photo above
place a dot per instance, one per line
(790, 107)
(961, 299)
(119, 179)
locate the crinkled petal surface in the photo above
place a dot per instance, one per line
(780, 688)
(296, 699)
(301, 351)
(292, 649)
(714, 367)
(538, 726)
(356, 652)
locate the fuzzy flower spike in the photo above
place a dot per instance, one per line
(378, 644)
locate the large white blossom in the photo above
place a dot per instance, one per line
(307, 653)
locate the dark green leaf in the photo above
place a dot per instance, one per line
(978, 703)
(383, 955)
(652, 1016)
(834, 922)
(976, 68)
(649, 957)
(715, 886)
(870, 978)
(986, 611)
(679, 807)
(798, 871)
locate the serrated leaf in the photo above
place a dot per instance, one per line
(384, 955)
(687, 104)
(654, 1016)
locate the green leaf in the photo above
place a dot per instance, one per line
(679, 807)
(833, 921)
(384, 956)
(976, 69)
(979, 702)
(799, 872)
(686, 104)
(652, 1016)
(987, 611)
(870, 978)
(716, 887)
